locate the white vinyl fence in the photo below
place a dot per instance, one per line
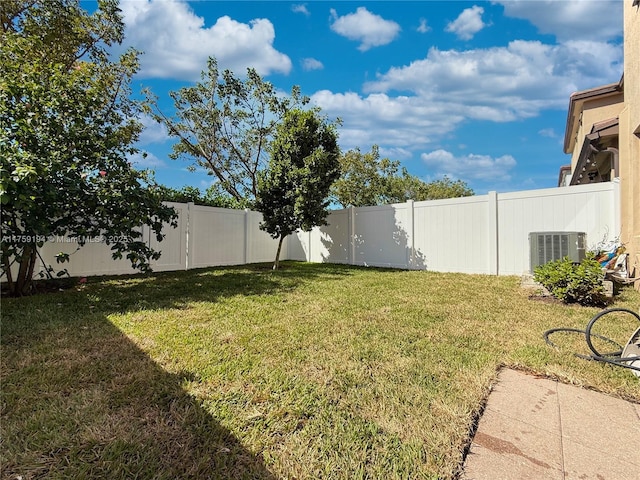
(204, 237)
(485, 234)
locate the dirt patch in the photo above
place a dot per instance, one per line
(546, 299)
(49, 286)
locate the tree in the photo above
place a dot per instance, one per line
(365, 179)
(369, 180)
(438, 189)
(212, 197)
(304, 163)
(67, 125)
(224, 124)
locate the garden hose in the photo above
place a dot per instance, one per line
(626, 357)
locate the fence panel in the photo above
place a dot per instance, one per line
(94, 258)
(216, 236)
(452, 235)
(173, 246)
(382, 236)
(480, 234)
(583, 208)
(261, 247)
(299, 246)
(331, 243)
(485, 234)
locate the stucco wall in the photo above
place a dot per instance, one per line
(629, 142)
(595, 111)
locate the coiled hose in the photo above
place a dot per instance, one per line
(626, 357)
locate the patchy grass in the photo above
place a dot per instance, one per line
(314, 371)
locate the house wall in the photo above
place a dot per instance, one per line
(594, 111)
(629, 141)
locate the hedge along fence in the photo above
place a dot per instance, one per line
(486, 234)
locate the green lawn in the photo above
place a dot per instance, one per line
(314, 371)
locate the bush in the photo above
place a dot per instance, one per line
(573, 282)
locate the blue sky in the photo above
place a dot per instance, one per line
(475, 90)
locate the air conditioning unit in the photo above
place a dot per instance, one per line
(549, 246)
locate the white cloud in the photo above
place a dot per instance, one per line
(398, 122)
(446, 88)
(472, 166)
(505, 83)
(423, 27)
(145, 160)
(311, 64)
(365, 27)
(300, 8)
(396, 153)
(153, 132)
(570, 19)
(548, 132)
(468, 23)
(176, 43)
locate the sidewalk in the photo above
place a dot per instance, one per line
(534, 428)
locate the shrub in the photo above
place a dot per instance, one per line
(573, 282)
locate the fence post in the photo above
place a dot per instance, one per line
(352, 235)
(189, 231)
(492, 229)
(247, 240)
(617, 211)
(411, 253)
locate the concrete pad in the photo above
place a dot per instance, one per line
(584, 463)
(502, 448)
(535, 428)
(600, 423)
(526, 399)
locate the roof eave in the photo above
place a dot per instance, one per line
(577, 99)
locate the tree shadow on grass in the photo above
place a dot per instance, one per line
(177, 289)
(80, 400)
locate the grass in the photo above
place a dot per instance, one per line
(314, 371)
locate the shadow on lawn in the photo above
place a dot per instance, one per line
(176, 289)
(80, 400)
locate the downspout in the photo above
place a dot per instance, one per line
(615, 160)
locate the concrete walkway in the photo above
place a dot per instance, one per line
(535, 428)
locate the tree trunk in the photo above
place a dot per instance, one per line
(276, 264)
(25, 273)
(6, 261)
